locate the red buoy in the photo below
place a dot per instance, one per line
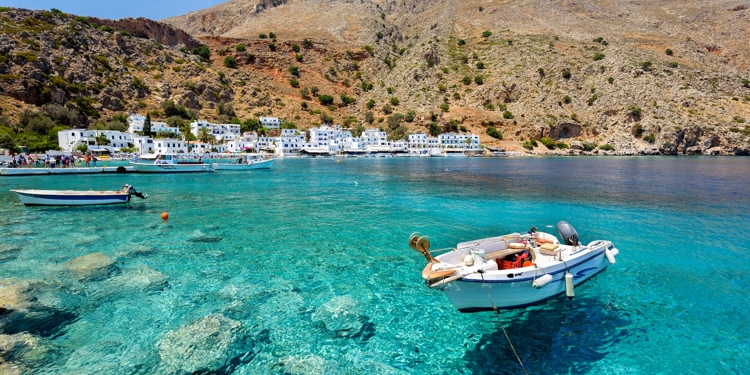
(165, 215)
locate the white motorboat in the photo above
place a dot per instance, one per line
(515, 270)
(77, 198)
(245, 162)
(169, 164)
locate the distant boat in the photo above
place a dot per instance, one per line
(168, 164)
(77, 198)
(514, 270)
(245, 162)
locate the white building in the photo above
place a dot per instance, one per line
(144, 144)
(70, 140)
(373, 137)
(465, 141)
(290, 142)
(222, 132)
(135, 124)
(169, 146)
(270, 122)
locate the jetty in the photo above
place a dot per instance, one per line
(48, 171)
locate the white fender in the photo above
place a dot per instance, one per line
(569, 288)
(542, 281)
(469, 260)
(610, 256)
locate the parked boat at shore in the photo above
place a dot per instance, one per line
(169, 164)
(245, 162)
(77, 198)
(515, 270)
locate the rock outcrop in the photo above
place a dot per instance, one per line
(205, 345)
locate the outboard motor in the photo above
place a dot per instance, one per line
(127, 189)
(568, 233)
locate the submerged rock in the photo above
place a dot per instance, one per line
(8, 252)
(198, 236)
(340, 315)
(142, 277)
(91, 266)
(207, 344)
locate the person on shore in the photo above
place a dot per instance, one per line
(87, 159)
(46, 161)
(94, 159)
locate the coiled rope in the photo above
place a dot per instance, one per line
(499, 322)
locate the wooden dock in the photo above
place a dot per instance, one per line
(48, 171)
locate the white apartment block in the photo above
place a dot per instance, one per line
(169, 146)
(70, 140)
(465, 141)
(135, 124)
(270, 122)
(290, 142)
(222, 132)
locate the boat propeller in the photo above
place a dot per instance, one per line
(422, 246)
(128, 189)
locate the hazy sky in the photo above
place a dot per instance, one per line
(154, 9)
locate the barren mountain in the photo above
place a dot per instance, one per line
(644, 77)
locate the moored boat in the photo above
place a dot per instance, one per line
(77, 198)
(245, 162)
(169, 164)
(514, 270)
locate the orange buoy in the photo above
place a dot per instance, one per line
(165, 215)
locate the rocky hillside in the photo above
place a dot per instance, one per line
(659, 77)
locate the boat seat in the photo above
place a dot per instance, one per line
(549, 249)
(502, 253)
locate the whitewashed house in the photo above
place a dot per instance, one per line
(270, 122)
(169, 146)
(144, 144)
(135, 124)
(290, 142)
(69, 140)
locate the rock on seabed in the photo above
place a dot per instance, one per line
(206, 344)
(340, 315)
(91, 266)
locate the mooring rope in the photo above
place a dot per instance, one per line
(500, 322)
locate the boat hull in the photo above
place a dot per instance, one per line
(265, 164)
(169, 168)
(510, 290)
(70, 198)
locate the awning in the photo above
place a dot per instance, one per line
(315, 151)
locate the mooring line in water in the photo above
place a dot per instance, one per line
(500, 322)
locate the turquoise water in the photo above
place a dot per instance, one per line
(310, 271)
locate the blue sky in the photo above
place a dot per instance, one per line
(153, 9)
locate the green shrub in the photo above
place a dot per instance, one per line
(298, 57)
(394, 100)
(203, 51)
(272, 46)
(494, 133)
(738, 120)
(325, 99)
(486, 34)
(530, 144)
(566, 74)
(649, 138)
(598, 56)
(508, 115)
(444, 107)
(548, 142)
(293, 82)
(466, 80)
(562, 145)
(369, 50)
(635, 111)
(598, 40)
(480, 65)
(390, 90)
(370, 104)
(410, 115)
(646, 65)
(294, 70)
(588, 146)
(592, 99)
(461, 42)
(272, 35)
(240, 48)
(230, 62)
(746, 82)
(610, 80)
(637, 130)
(567, 99)
(347, 99)
(262, 36)
(668, 52)
(607, 147)
(108, 29)
(478, 80)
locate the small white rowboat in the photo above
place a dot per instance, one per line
(513, 271)
(245, 164)
(76, 198)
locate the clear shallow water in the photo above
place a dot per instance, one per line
(316, 270)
